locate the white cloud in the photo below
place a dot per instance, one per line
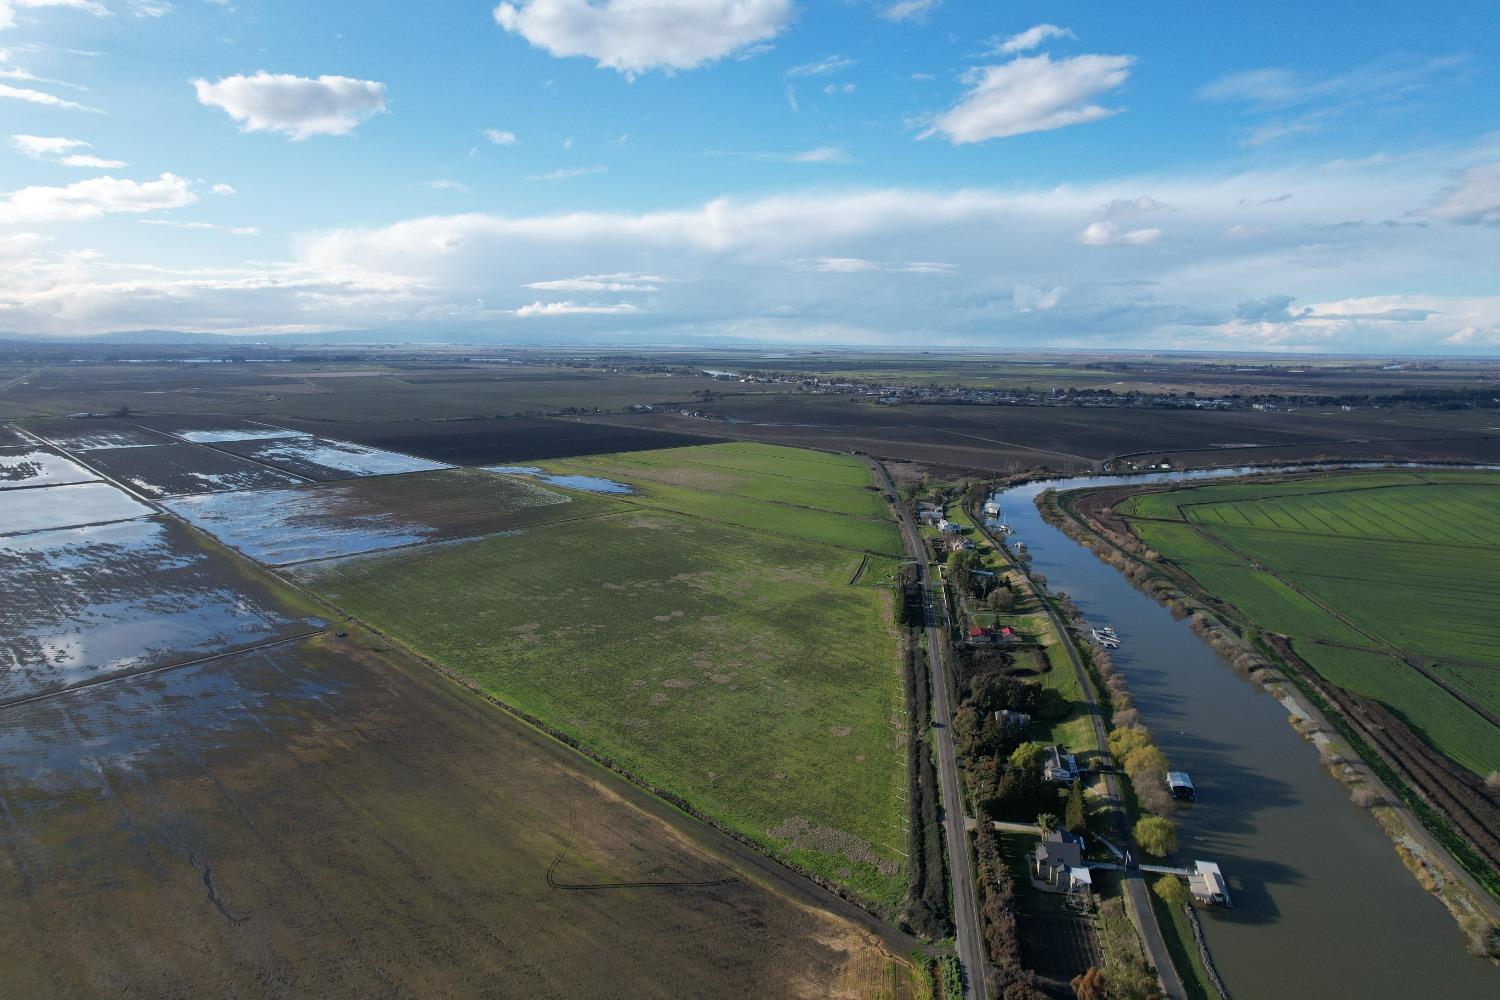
(1031, 38)
(1108, 234)
(909, 10)
(565, 173)
(94, 198)
(444, 184)
(61, 150)
(576, 309)
(294, 105)
(8, 8)
(150, 8)
(1473, 201)
(634, 36)
(500, 137)
(823, 67)
(1031, 94)
(40, 147)
(1026, 298)
(222, 189)
(91, 162)
(33, 96)
(600, 283)
(836, 88)
(858, 265)
(206, 226)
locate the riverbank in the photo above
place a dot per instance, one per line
(1315, 708)
(1314, 882)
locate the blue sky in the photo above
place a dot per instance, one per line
(900, 174)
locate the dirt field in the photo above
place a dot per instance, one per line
(314, 820)
(87, 435)
(1010, 438)
(181, 469)
(498, 441)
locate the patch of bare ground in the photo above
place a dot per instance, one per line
(319, 820)
(798, 832)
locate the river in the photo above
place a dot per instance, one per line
(1323, 906)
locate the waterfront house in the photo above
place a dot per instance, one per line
(1059, 864)
(1061, 767)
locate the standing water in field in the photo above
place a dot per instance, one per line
(1323, 906)
(587, 484)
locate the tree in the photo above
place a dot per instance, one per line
(1172, 890)
(1075, 815)
(1002, 599)
(1156, 835)
(1046, 822)
(1089, 985)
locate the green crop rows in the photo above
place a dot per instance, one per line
(1402, 565)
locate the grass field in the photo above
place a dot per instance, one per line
(1397, 565)
(737, 668)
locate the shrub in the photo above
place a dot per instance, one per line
(1172, 890)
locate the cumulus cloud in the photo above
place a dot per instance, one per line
(499, 137)
(577, 309)
(830, 266)
(909, 10)
(634, 37)
(1031, 94)
(92, 199)
(1473, 201)
(294, 105)
(1109, 234)
(1031, 38)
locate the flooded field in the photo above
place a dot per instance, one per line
(11, 438)
(317, 820)
(178, 469)
(366, 515)
(589, 484)
(65, 507)
(85, 603)
(324, 459)
(94, 433)
(211, 430)
(38, 467)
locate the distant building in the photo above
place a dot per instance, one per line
(640, 408)
(947, 527)
(979, 636)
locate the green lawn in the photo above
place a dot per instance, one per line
(1401, 564)
(736, 668)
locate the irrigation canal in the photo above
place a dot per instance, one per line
(1323, 906)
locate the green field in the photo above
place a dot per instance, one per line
(734, 666)
(1397, 566)
(824, 499)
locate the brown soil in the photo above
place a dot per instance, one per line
(316, 820)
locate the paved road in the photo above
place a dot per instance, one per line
(1137, 892)
(969, 938)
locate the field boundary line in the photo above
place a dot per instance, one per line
(158, 669)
